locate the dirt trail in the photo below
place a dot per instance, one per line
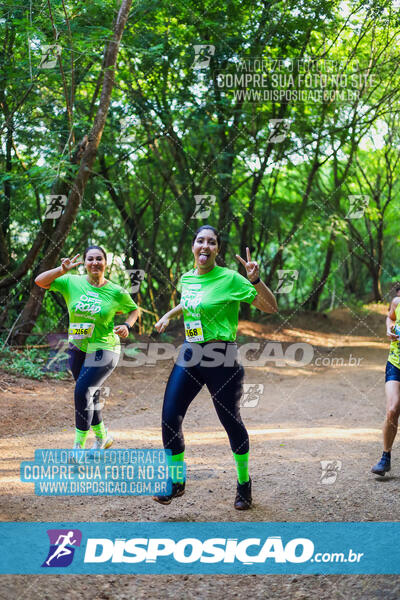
(326, 410)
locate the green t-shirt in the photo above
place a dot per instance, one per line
(394, 352)
(213, 300)
(92, 310)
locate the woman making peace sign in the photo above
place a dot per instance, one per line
(94, 347)
(210, 303)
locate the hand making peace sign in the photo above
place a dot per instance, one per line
(70, 263)
(252, 268)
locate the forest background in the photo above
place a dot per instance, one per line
(130, 125)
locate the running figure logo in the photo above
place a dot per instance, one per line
(202, 55)
(330, 470)
(62, 542)
(251, 394)
(204, 203)
(287, 278)
(55, 206)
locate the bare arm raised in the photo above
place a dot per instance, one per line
(45, 279)
(265, 299)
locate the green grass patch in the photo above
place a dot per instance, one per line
(29, 362)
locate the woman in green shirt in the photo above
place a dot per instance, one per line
(94, 347)
(210, 301)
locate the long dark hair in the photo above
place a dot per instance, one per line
(95, 248)
(212, 229)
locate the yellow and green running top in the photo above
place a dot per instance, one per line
(394, 352)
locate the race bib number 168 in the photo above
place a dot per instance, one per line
(194, 331)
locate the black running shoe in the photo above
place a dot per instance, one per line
(383, 466)
(243, 498)
(178, 489)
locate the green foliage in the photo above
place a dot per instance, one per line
(30, 362)
(172, 133)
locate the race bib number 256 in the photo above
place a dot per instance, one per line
(78, 331)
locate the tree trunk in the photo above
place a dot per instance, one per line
(376, 283)
(5, 208)
(33, 306)
(277, 260)
(313, 299)
(377, 271)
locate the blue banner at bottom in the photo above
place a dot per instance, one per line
(213, 548)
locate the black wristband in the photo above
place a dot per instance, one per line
(128, 326)
(256, 281)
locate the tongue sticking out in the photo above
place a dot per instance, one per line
(202, 259)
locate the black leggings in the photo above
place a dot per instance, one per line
(224, 382)
(88, 374)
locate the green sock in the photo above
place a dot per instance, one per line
(242, 467)
(100, 431)
(175, 461)
(80, 437)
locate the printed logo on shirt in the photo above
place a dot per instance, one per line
(191, 299)
(87, 304)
